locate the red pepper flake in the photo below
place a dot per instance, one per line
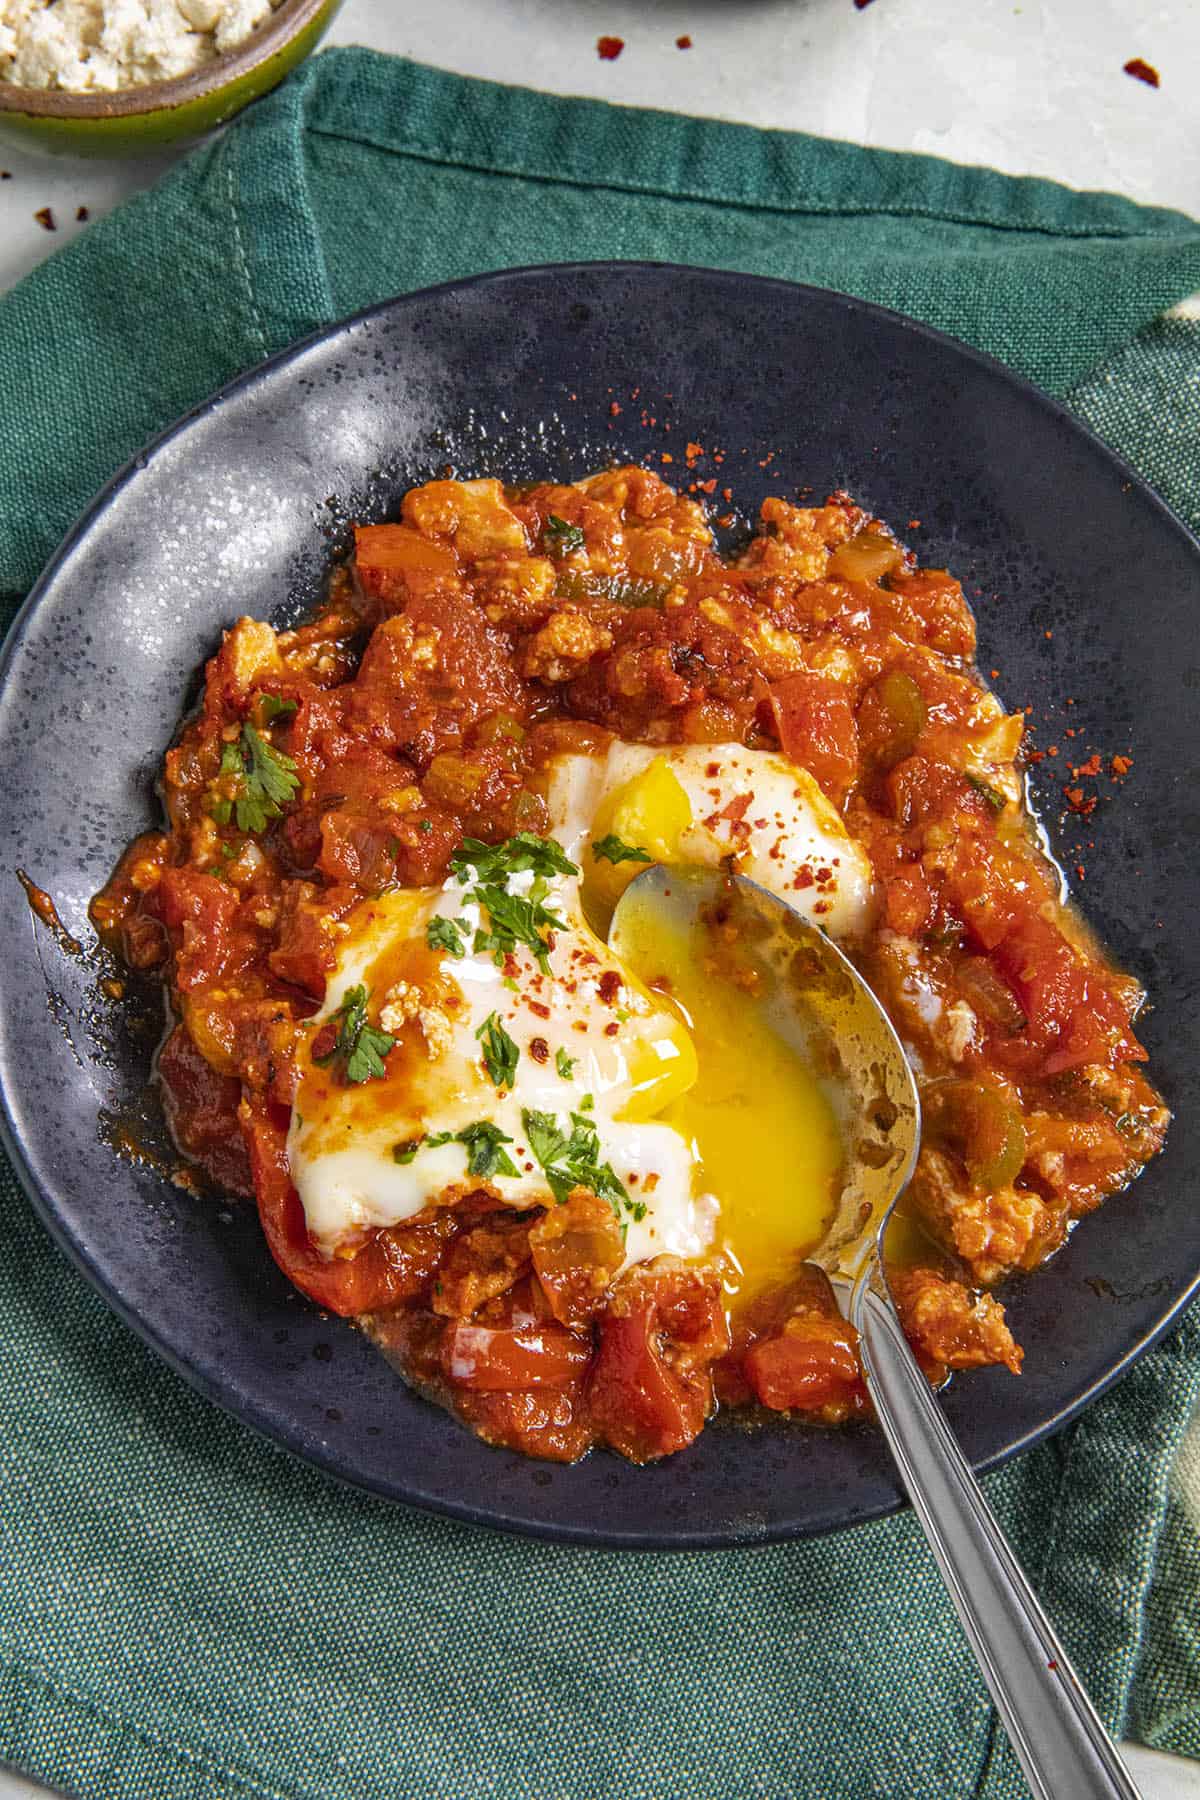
(667, 457)
(1052, 750)
(1141, 71)
(1080, 803)
(609, 48)
(1091, 767)
(1036, 756)
(539, 1049)
(538, 1007)
(611, 1030)
(725, 520)
(708, 487)
(1048, 634)
(683, 43)
(614, 410)
(693, 451)
(1121, 766)
(727, 496)
(1080, 871)
(995, 674)
(81, 215)
(914, 524)
(609, 987)
(45, 218)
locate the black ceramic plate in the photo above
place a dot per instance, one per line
(1085, 588)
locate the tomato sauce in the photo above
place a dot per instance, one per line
(460, 650)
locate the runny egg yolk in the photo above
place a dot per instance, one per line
(761, 1129)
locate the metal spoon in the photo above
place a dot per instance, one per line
(817, 999)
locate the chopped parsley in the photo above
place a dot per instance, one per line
(404, 1153)
(485, 870)
(274, 707)
(496, 862)
(995, 799)
(484, 1155)
(257, 780)
(565, 1064)
(512, 921)
(571, 1161)
(560, 537)
(360, 1047)
(612, 849)
(482, 1142)
(444, 934)
(500, 1053)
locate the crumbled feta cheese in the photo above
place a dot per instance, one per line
(97, 46)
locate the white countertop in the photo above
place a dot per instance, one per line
(1036, 88)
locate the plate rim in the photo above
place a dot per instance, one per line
(56, 1220)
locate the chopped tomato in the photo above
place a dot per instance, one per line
(199, 912)
(393, 1265)
(643, 1409)
(651, 1391)
(397, 564)
(473, 1356)
(816, 728)
(202, 1111)
(810, 1365)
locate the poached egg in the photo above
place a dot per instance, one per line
(714, 1132)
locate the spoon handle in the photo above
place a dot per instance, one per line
(1058, 1737)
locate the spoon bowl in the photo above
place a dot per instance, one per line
(813, 997)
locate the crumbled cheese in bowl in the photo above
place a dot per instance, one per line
(98, 46)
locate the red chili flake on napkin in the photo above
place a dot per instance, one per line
(45, 218)
(609, 48)
(683, 43)
(1141, 71)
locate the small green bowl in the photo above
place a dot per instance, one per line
(136, 120)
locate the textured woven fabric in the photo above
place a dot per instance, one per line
(185, 1611)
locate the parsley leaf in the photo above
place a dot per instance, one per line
(274, 707)
(514, 921)
(258, 782)
(404, 1153)
(565, 1064)
(612, 849)
(560, 538)
(481, 1140)
(360, 1046)
(444, 934)
(513, 918)
(574, 1161)
(496, 862)
(500, 1053)
(484, 1155)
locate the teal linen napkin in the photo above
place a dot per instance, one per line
(184, 1610)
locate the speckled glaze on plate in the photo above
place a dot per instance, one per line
(1085, 587)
